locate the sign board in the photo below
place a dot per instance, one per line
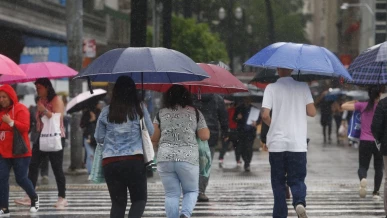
(89, 48)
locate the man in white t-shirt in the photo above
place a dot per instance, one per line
(291, 102)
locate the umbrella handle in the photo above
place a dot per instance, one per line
(89, 84)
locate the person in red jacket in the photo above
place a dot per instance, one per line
(14, 114)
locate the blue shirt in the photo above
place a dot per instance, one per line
(121, 139)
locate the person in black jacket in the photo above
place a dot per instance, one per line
(379, 131)
(88, 124)
(214, 111)
(246, 133)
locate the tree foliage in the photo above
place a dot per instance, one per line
(289, 22)
(197, 41)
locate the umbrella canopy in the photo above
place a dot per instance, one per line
(84, 100)
(270, 76)
(360, 95)
(8, 67)
(255, 94)
(220, 81)
(34, 71)
(220, 64)
(22, 89)
(369, 68)
(309, 61)
(334, 94)
(144, 65)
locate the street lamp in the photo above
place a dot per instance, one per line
(345, 6)
(222, 13)
(228, 25)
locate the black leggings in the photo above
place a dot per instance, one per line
(366, 150)
(121, 176)
(56, 160)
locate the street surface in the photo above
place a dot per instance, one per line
(332, 188)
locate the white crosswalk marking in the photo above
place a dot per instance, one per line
(225, 201)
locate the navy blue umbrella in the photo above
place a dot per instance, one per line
(369, 68)
(144, 65)
(309, 62)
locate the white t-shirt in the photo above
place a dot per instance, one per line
(287, 99)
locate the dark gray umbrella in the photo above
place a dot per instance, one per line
(22, 89)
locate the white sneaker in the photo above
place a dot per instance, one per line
(376, 196)
(34, 206)
(4, 212)
(363, 188)
(26, 201)
(301, 211)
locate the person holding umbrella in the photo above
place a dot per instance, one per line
(367, 146)
(118, 131)
(287, 148)
(14, 115)
(48, 104)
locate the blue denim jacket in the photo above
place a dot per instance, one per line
(121, 139)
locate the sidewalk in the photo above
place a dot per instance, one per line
(330, 167)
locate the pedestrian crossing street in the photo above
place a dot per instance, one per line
(231, 200)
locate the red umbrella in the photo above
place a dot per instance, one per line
(34, 71)
(8, 67)
(220, 81)
(259, 84)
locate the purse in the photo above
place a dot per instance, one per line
(19, 145)
(97, 173)
(204, 158)
(147, 146)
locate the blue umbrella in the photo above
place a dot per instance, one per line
(369, 68)
(144, 65)
(308, 61)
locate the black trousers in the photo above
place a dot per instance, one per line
(245, 144)
(122, 176)
(56, 160)
(367, 149)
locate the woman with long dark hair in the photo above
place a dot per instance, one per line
(176, 127)
(48, 104)
(367, 147)
(119, 133)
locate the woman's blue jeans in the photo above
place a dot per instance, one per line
(177, 176)
(89, 155)
(20, 168)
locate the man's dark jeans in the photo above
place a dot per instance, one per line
(287, 167)
(20, 168)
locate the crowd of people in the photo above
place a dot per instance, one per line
(174, 131)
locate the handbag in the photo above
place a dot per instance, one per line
(354, 126)
(204, 158)
(147, 146)
(19, 145)
(50, 137)
(97, 173)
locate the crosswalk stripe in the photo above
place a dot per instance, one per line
(236, 201)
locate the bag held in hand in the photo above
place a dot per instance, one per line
(50, 137)
(354, 127)
(97, 174)
(204, 158)
(19, 145)
(147, 146)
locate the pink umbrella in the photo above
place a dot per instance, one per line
(34, 71)
(8, 67)
(220, 81)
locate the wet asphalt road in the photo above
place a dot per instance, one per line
(332, 188)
